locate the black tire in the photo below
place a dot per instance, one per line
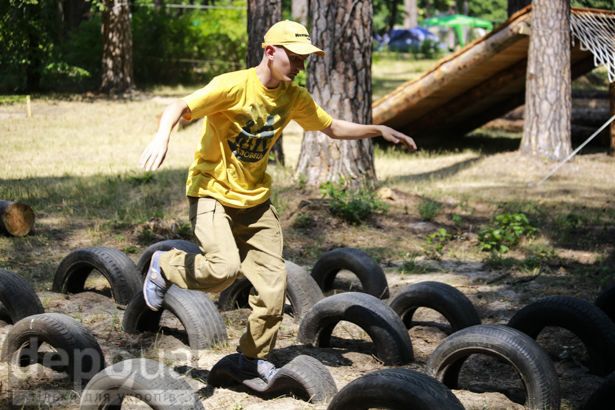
(586, 321)
(307, 378)
(604, 396)
(510, 345)
(606, 301)
(76, 348)
(149, 381)
(181, 244)
(387, 331)
(397, 389)
(119, 270)
(358, 262)
(18, 298)
(443, 298)
(198, 314)
(301, 290)
(303, 376)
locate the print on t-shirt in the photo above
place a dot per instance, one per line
(252, 147)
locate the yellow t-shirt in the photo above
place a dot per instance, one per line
(244, 120)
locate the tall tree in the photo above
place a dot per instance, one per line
(262, 14)
(117, 68)
(546, 130)
(299, 11)
(411, 15)
(341, 82)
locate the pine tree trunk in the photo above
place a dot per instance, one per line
(262, 14)
(117, 69)
(299, 11)
(412, 14)
(341, 82)
(548, 106)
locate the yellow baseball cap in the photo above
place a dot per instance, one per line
(293, 36)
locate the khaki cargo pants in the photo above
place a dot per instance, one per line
(247, 241)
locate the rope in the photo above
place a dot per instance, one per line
(550, 174)
(596, 33)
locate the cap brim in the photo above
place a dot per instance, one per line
(303, 49)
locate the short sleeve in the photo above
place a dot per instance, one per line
(309, 115)
(212, 98)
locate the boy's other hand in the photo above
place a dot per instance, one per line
(397, 137)
(154, 153)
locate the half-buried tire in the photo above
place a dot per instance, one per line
(180, 244)
(76, 351)
(303, 376)
(585, 320)
(119, 270)
(17, 297)
(379, 321)
(606, 301)
(371, 275)
(147, 380)
(443, 298)
(396, 389)
(604, 396)
(301, 291)
(198, 314)
(510, 345)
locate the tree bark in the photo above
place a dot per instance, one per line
(262, 14)
(299, 11)
(341, 82)
(411, 17)
(546, 129)
(117, 68)
(16, 219)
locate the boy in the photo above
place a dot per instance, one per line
(228, 189)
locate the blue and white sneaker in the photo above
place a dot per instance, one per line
(253, 368)
(155, 285)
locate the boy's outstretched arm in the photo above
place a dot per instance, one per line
(346, 130)
(156, 150)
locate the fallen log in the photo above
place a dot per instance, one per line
(16, 219)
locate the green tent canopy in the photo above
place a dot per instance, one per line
(458, 22)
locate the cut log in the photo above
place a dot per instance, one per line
(16, 219)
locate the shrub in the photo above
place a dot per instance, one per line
(505, 232)
(429, 209)
(353, 206)
(436, 241)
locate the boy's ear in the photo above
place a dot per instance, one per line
(269, 51)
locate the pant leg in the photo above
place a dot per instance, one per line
(217, 267)
(259, 238)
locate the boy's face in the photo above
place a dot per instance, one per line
(286, 65)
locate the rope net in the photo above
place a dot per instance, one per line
(595, 32)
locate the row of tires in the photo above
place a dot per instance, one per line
(320, 317)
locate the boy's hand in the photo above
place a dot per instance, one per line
(397, 137)
(154, 153)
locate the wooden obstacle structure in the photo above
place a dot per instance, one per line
(476, 84)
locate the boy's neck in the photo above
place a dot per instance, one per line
(263, 72)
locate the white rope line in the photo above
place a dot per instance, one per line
(596, 33)
(550, 174)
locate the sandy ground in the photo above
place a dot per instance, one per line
(487, 383)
